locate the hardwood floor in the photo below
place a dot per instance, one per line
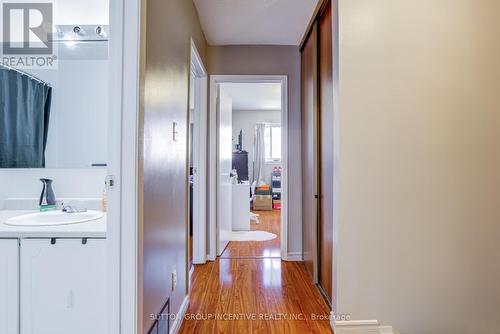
(254, 296)
(247, 290)
(268, 221)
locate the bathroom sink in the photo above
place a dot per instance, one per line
(53, 218)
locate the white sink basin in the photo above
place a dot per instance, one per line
(53, 218)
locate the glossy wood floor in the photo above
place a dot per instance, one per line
(268, 221)
(259, 294)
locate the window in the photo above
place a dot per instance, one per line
(272, 142)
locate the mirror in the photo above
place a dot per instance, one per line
(76, 135)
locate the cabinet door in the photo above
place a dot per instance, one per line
(9, 286)
(63, 286)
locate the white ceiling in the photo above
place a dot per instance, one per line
(254, 96)
(254, 22)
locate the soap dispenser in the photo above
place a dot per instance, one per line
(47, 198)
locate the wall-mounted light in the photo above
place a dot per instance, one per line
(81, 33)
(78, 30)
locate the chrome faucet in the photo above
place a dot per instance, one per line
(68, 208)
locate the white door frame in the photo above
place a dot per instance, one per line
(200, 156)
(124, 276)
(215, 80)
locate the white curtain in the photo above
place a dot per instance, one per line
(258, 154)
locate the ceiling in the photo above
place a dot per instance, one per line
(255, 22)
(254, 96)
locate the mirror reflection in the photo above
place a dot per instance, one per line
(58, 118)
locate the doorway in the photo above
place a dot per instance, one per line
(248, 179)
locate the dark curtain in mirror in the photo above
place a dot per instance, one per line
(24, 119)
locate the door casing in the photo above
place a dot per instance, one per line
(200, 87)
(215, 80)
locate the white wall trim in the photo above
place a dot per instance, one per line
(295, 256)
(191, 272)
(179, 318)
(200, 156)
(212, 189)
(122, 200)
(113, 242)
(336, 150)
(361, 327)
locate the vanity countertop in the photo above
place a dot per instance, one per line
(92, 229)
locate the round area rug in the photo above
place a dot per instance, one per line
(252, 236)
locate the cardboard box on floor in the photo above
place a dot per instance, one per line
(263, 202)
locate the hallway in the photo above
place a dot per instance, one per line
(263, 295)
(250, 288)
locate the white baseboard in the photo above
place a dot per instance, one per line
(191, 271)
(176, 325)
(361, 327)
(294, 256)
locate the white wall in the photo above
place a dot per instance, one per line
(68, 183)
(246, 120)
(81, 12)
(419, 229)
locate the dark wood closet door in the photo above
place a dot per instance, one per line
(325, 72)
(309, 152)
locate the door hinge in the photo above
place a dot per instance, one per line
(110, 182)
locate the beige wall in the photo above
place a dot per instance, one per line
(419, 229)
(168, 28)
(272, 60)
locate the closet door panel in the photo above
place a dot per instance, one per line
(325, 72)
(309, 152)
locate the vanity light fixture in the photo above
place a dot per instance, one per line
(99, 30)
(77, 30)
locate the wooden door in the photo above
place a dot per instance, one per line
(309, 117)
(325, 223)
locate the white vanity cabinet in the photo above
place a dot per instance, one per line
(9, 286)
(63, 286)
